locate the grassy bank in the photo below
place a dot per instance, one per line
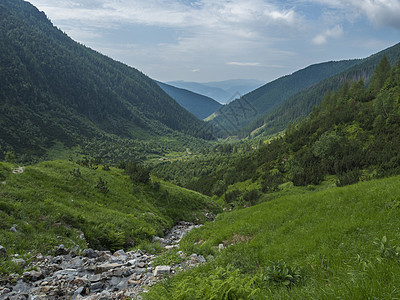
(337, 243)
(53, 203)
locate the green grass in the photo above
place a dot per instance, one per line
(334, 237)
(51, 206)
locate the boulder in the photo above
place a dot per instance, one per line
(161, 270)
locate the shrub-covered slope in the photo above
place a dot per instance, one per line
(341, 243)
(52, 203)
(55, 89)
(301, 104)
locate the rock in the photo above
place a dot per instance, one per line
(119, 253)
(3, 251)
(19, 261)
(79, 291)
(139, 271)
(158, 239)
(75, 263)
(94, 275)
(132, 262)
(22, 288)
(106, 267)
(96, 287)
(90, 253)
(170, 247)
(61, 250)
(122, 285)
(161, 270)
(221, 247)
(33, 275)
(94, 278)
(14, 228)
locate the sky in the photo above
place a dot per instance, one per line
(211, 40)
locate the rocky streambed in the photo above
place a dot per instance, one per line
(92, 274)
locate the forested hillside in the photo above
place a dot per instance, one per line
(56, 90)
(352, 135)
(199, 105)
(231, 118)
(300, 105)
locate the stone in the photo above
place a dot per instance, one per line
(201, 259)
(105, 267)
(22, 288)
(3, 251)
(90, 253)
(221, 247)
(33, 275)
(119, 253)
(122, 285)
(161, 270)
(61, 250)
(94, 278)
(19, 261)
(79, 291)
(139, 271)
(96, 287)
(75, 263)
(115, 281)
(14, 228)
(169, 247)
(132, 262)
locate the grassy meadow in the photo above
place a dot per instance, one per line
(339, 243)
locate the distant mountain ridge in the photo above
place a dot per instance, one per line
(54, 89)
(270, 108)
(231, 118)
(199, 105)
(301, 104)
(222, 91)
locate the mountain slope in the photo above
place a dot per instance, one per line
(336, 244)
(54, 202)
(237, 114)
(302, 103)
(54, 89)
(199, 105)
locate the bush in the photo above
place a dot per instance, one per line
(232, 196)
(137, 173)
(251, 196)
(349, 177)
(101, 186)
(281, 274)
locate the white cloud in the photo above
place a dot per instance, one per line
(244, 64)
(380, 12)
(335, 32)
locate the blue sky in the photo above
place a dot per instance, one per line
(206, 40)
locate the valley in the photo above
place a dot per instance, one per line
(116, 186)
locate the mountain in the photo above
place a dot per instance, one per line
(239, 113)
(55, 90)
(199, 105)
(301, 104)
(222, 91)
(352, 135)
